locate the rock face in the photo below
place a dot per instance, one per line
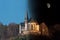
(11, 31)
(44, 29)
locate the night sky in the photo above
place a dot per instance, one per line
(42, 13)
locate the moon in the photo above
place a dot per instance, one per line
(48, 5)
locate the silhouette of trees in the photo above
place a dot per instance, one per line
(7, 31)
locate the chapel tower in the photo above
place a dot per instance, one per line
(26, 21)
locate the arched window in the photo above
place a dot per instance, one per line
(31, 27)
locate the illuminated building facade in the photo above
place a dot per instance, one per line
(32, 27)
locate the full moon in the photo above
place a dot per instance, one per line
(48, 5)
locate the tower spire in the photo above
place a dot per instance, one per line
(26, 16)
(26, 21)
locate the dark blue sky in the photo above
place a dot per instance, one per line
(12, 11)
